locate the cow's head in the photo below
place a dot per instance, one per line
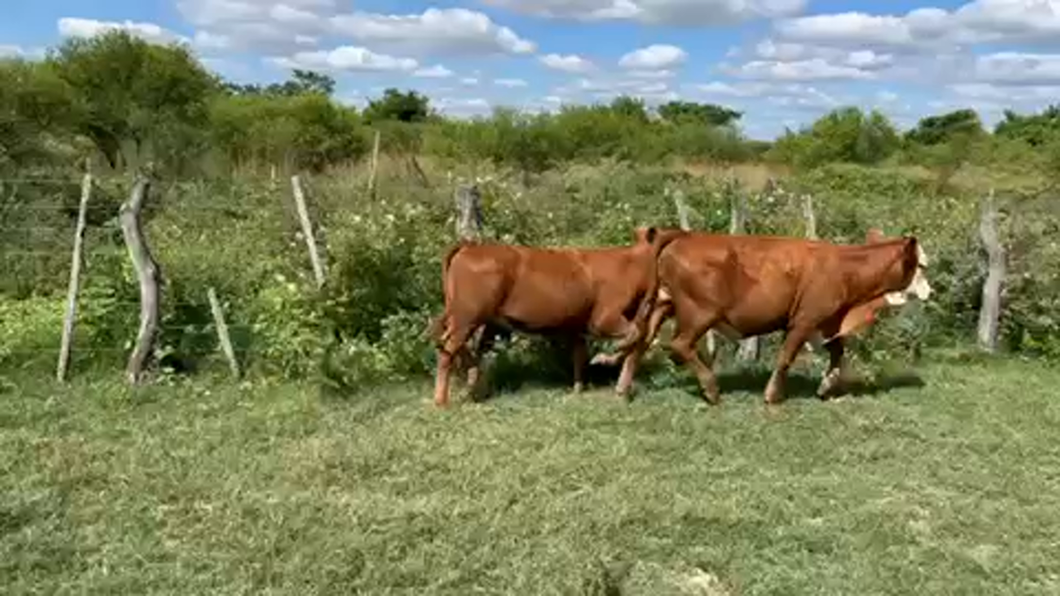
(914, 265)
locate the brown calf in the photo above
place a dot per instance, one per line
(743, 286)
(570, 292)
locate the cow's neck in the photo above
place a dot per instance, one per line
(881, 272)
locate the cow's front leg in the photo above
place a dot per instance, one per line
(793, 341)
(580, 353)
(683, 346)
(833, 377)
(658, 316)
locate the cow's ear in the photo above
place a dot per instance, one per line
(912, 249)
(874, 236)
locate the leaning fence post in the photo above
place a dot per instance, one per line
(990, 311)
(147, 271)
(749, 348)
(307, 230)
(468, 211)
(222, 331)
(75, 279)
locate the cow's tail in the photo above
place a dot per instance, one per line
(438, 330)
(659, 239)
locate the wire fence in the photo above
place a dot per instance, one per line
(239, 235)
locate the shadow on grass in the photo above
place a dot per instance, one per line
(803, 386)
(508, 376)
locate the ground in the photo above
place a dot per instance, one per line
(947, 485)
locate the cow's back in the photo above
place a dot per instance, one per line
(755, 283)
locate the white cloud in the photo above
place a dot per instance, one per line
(205, 13)
(76, 27)
(1015, 68)
(462, 107)
(434, 72)
(571, 63)
(930, 28)
(815, 69)
(510, 83)
(790, 95)
(469, 81)
(348, 58)
(654, 57)
(436, 31)
(10, 51)
(605, 89)
(657, 12)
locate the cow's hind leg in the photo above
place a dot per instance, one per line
(487, 339)
(833, 377)
(793, 341)
(453, 346)
(686, 337)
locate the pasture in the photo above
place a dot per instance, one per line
(944, 478)
(324, 469)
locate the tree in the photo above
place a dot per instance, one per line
(36, 107)
(630, 107)
(842, 135)
(935, 130)
(706, 114)
(409, 106)
(1034, 129)
(302, 82)
(132, 91)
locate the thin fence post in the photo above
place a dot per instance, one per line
(149, 274)
(810, 217)
(307, 230)
(222, 331)
(682, 209)
(76, 259)
(468, 212)
(749, 347)
(990, 311)
(374, 165)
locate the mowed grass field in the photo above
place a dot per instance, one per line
(950, 485)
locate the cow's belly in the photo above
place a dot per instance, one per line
(539, 309)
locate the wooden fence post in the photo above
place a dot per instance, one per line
(307, 230)
(147, 271)
(749, 347)
(222, 331)
(76, 259)
(990, 311)
(810, 216)
(374, 165)
(468, 212)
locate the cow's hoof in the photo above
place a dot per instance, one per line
(578, 388)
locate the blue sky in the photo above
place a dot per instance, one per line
(783, 62)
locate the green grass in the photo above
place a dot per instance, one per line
(952, 487)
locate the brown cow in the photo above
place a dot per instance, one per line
(752, 285)
(607, 292)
